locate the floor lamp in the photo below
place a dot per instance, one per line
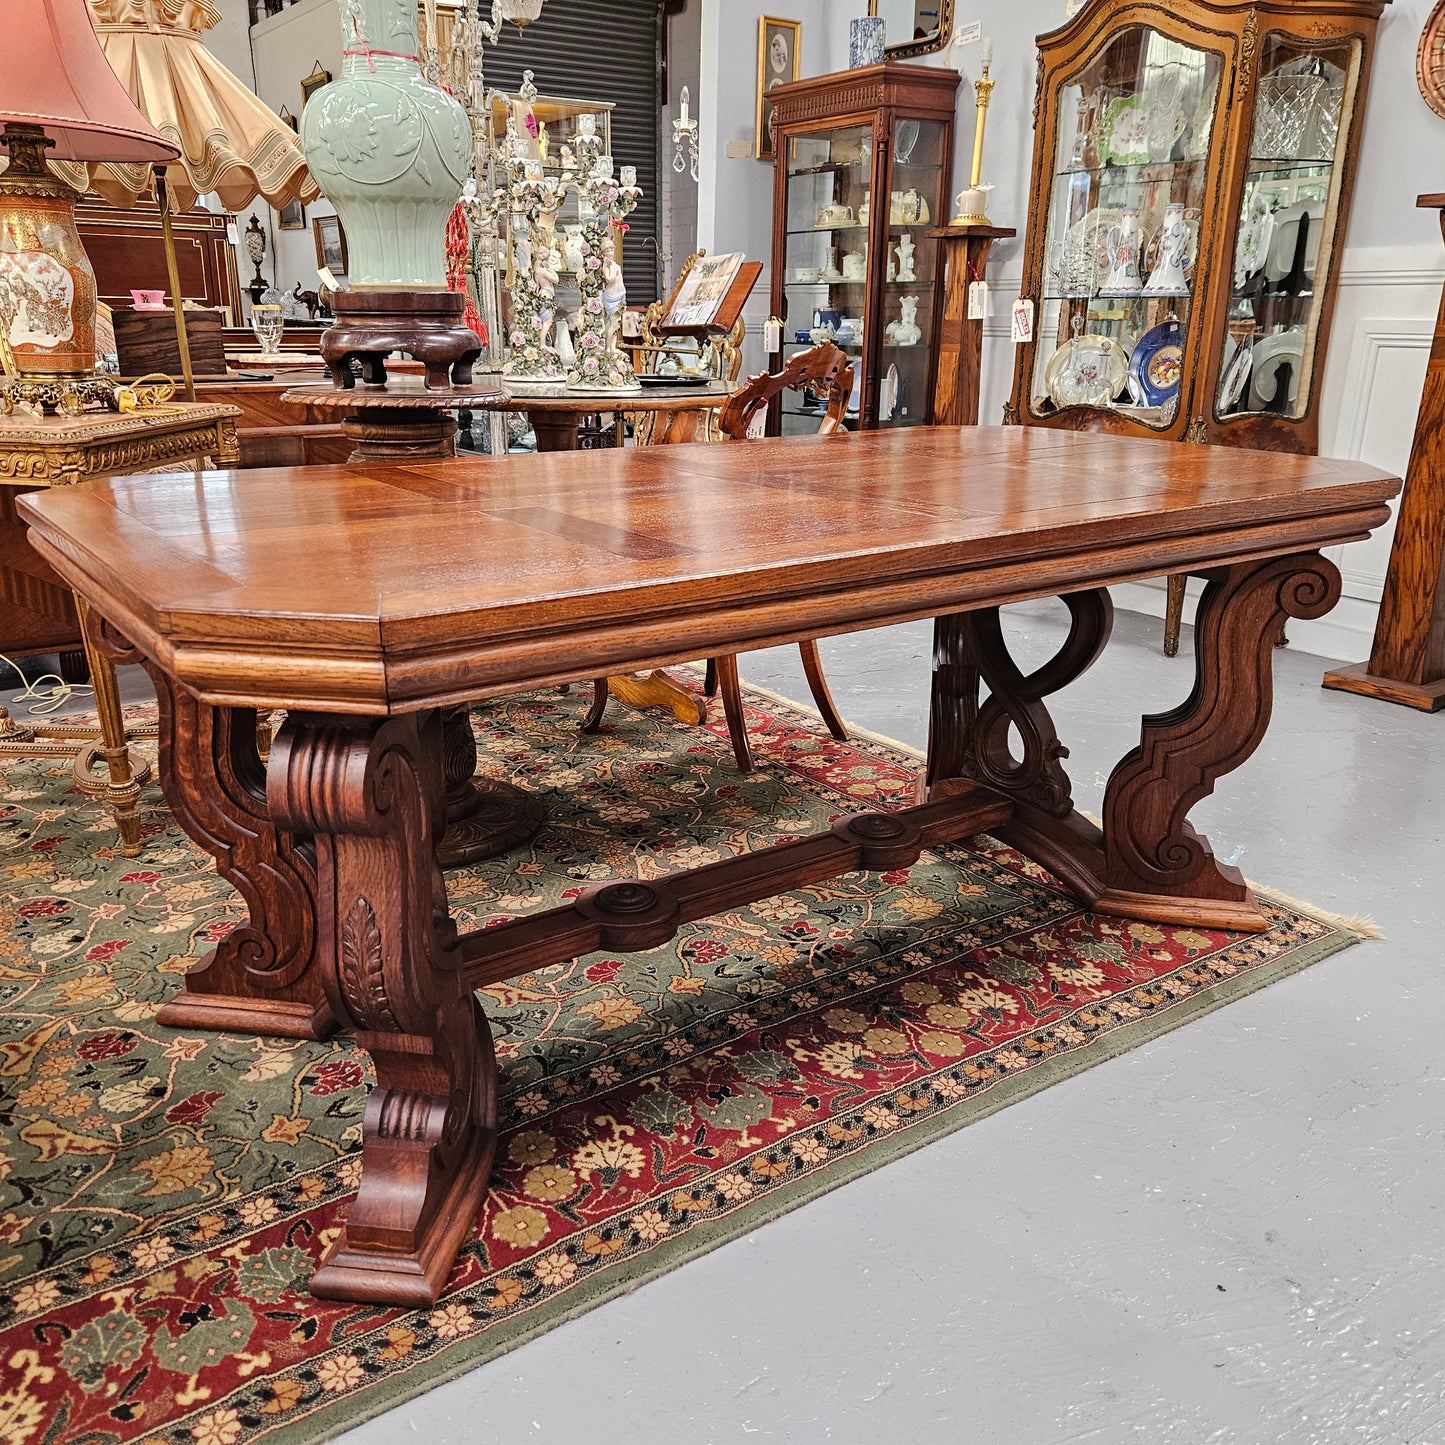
(229, 141)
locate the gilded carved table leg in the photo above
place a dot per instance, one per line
(371, 793)
(1147, 862)
(122, 786)
(261, 978)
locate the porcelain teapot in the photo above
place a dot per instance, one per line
(836, 215)
(855, 266)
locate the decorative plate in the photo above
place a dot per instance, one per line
(1284, 239)
(1201, 126)
(1157, 365)
(1430, 60)
(680, 378)
(1086, 371)
(1124, 136)
(1085, 263)
(1256, 231)
(1234, 382)
(1165, 122)
(1269, 355)
(906, 140)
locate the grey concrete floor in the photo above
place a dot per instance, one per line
(1233, 1234)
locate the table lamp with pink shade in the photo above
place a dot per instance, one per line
(59, 97)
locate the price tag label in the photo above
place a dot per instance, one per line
(772, 335)
(327, 279)
(977, 300)
(1023, 323)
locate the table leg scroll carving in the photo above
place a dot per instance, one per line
(969, 734)
(1154, 858)
(261, 977)
(1147, 862)
(371, 792)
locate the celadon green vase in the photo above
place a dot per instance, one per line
(390, 150)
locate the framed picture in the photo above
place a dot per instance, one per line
(292, 216)
(330, 244)
(310, 84)
(777, 64)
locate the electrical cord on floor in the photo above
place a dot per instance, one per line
(45, 700)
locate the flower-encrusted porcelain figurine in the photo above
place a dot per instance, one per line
(601, 364)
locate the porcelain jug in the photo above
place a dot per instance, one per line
(1168, 278)
(1123, 248)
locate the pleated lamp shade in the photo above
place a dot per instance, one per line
(54, 74)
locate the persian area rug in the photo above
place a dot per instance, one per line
(164, 1196)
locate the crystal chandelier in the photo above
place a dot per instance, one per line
(519, 12)
(684, 128)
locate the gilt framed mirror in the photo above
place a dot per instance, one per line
(914, 27)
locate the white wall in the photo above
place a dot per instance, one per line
(285, 49)
(735, 194)
(678, 209)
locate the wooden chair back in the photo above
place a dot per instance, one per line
(823, 368)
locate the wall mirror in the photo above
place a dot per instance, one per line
(914, 27)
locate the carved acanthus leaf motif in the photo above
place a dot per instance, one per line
(363, 976)
(1248, 44)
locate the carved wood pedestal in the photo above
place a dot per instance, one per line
(1147, 862)
(1407, 660)
(427, 325)
(334, 847)
(404, 421)
(960, 347)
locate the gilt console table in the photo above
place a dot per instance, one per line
(561, 569)
(40, 613)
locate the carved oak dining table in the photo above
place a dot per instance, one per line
(366, 602)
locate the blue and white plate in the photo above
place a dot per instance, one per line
(1157, 365)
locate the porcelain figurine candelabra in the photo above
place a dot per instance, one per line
(606, 203)
(533, 200)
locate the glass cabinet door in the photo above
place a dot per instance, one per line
(910, 272)
(1126, 202)
(1286, 225)
(826, 261)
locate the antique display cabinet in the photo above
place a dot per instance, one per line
(864, 163)
(1192, 175)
